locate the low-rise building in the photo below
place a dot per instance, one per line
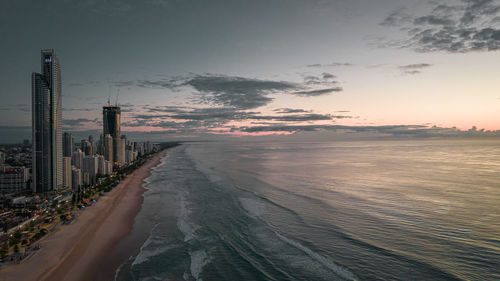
(13, 180)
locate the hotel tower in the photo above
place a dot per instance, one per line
(47, 125)
(111, 127)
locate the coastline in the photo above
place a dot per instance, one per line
(74, 252)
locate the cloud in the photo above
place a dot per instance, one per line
(240, 93)
(80, 109)
(290, 110)
(414, 68)
(319, 92)
(333, 64)
(467, 26)
(202, 119)
(404, 131)
(75, 123)
(237, 92)
(297, 128)
(294, 117)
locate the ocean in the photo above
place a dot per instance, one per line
(361, 210)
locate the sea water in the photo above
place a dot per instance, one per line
(364, 210)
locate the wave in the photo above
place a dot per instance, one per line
(328, 263)
(187, 227)
(199, 259)
(153, 246)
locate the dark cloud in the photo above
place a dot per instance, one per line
(319, 85)
(295, 117)
(298, 128)
(405, 131)
(472, 25)
(203, 118)
(333, 64)
(75, 123)
(240, 93)
(84, 84)
(290, 110)
(237, 92)
(319, 92)
(79, 109)
(414, 68)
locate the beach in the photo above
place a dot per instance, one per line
(75, 251)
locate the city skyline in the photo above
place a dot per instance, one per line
(305, 68)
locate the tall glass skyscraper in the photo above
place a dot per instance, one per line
(111, 126)
(47, 125)
(68, 144)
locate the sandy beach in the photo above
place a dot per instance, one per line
(74, 252)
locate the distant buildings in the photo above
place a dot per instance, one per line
(90, 168)
(104, 167)
(68, 144)
(2, 159)
(67, 170)
(77, 158)
(47, 124)
(76, 178)
(121, 150)
(13, 180)
(108, 148)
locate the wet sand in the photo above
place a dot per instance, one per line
(74, 252)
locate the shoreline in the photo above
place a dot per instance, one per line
(75, 251)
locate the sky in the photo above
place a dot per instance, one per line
(191, 69)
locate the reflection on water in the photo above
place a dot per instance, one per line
(377, 210)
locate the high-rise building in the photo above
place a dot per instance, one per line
(108, 148)
(111, 126)
(104, 166)
(90, 166)
(88, 147)
(68, 144)
(67, 172)
(77, 158)
(121, 150)
(47, 124)
(76, 178)
(93, 145)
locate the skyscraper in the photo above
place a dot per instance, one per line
(47, 124)
(111, 126)
(76, 178)
(121, 150)
(68, 144)
(108, 148)
(67, 170)
(91, 167)
(77, 158)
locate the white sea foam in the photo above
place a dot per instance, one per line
(338, 270)
(254, 207)
(198, 260)
(185, 226)
(151, 248)
(145, 255)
